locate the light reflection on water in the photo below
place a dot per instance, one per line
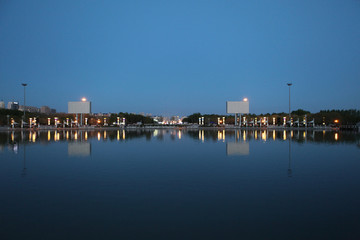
(210, 184)
(203, 135)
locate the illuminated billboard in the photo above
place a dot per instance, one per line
(237, 107)
(79, 107)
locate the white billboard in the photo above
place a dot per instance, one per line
(237, 107)
(79, 107)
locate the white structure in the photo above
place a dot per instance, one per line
(2, 104)
(79, 107)
(82, 107)
(237, 108)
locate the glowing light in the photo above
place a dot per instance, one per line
(104, 134)
(336, 121)
(179, 134)
(118, 135)
(123, 134)
(219, 135)
(336, 136)
(284, 135)
(86, 136)
(34, 137)
(245, 99)
(263, 136)
(99, 136)
(83, 99)
(274, 135)
(255, 134)
(49, 136)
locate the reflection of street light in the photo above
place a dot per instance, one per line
(289, 84)
(24, 84)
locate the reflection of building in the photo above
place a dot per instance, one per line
(237, 148)
(13, 105)
(81, 149)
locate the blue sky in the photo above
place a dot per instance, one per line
(180, 57)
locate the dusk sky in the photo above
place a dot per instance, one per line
(181, 57)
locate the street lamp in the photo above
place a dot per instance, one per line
(289, 84)
(24, 85)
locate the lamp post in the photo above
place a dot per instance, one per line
(24, 85)
(289, 84)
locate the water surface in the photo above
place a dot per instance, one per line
(178, 184)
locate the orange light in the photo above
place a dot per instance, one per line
(99, 121)
(83, 99)
(336, 121)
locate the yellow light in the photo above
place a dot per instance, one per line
(245, 99)
(83, 99)
(336, 136)
(336, 121)
(34, 137)
(99, 136)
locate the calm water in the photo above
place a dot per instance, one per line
(177, 184)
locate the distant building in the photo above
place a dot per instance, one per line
(29, 109)
(13, 105)
(2, 104)
(45, 110)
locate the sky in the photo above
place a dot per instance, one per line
(180, 57)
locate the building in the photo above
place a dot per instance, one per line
(13, 105)
(2, 104)
(29, 109)
(45, 110)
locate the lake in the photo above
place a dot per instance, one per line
(179, 184)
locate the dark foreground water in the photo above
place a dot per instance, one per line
(177, 184)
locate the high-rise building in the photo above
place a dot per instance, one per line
(2, 104)
(45, 110)
(29, 109)
(13, 105)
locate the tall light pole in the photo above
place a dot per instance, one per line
(24, 84)
(289, 84)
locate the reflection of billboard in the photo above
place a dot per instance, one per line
(237, 107)
(237, 148)
(80, 149)
(79, 107)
